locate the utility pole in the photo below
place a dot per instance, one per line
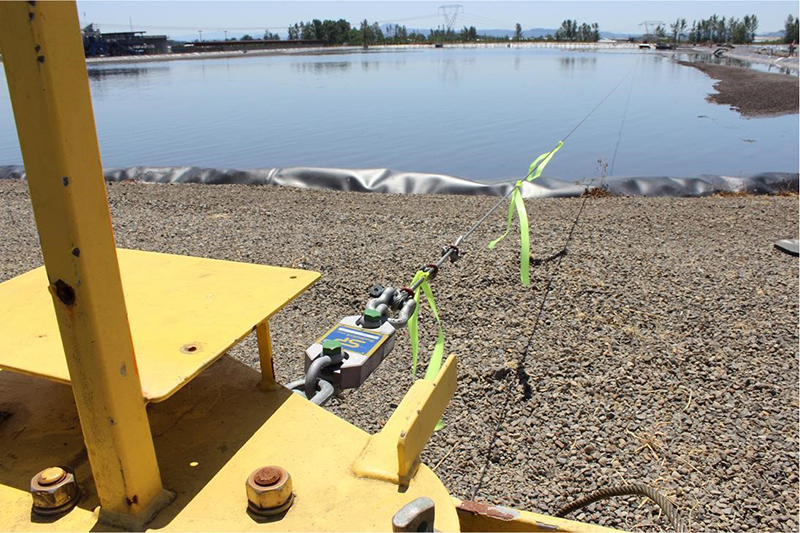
(226, 34)
(647, 25)
(450, 13)
(201, 34)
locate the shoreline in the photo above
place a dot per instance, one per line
(382, 180)
(750, 92)
(348, 50)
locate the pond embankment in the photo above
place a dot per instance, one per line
(750, 92)
(667, 352)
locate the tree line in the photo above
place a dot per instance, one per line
(714, 29)
(339, 32)
(570, 31)
(721, 30)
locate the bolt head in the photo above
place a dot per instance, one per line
(267, 476)
(331, 348)
(269, 490)
(371, 317)
(54, 490)
(52, 475)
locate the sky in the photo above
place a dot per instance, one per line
(185, 17)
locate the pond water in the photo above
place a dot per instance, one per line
(476, 113)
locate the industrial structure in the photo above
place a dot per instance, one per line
(123, 43)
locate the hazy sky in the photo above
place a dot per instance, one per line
(185, 17)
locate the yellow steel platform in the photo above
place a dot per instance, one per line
(208, 438)
(184, 314)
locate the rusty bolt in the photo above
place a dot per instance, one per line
(54, 491)
(269, 491)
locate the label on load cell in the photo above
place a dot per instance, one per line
(354, 340)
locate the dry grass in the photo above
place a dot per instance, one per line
(597, 192)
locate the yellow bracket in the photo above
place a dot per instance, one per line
(393, 453)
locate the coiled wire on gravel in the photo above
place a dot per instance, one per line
(623, 490)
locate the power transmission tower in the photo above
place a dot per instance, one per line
(450, 13)
(647, 25)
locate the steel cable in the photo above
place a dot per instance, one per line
(624, 117)
(502, 200)
(662, 501)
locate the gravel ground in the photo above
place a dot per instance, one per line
(750, 92)
(667, 352)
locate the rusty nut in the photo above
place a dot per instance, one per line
(269, 491)
(54, 491)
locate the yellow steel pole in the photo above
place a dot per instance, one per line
(49, 88)
(265, 355)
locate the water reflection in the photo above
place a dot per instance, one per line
(322, 67)
(367, 66)
(582, 63)
(450, 70)
(99, 74)
(734, 62)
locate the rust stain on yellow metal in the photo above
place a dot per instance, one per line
(184, 313)
(476, 516)
(392, 454)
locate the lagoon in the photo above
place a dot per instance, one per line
(481, 113)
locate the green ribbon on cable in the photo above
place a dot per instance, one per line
(435, 362)
(517, 204)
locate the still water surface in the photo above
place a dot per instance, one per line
(476, 113)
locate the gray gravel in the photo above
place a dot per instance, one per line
(667, 353)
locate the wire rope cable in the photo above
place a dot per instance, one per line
(520, 368)
(502, 200)
(640, 489)
(624, 117)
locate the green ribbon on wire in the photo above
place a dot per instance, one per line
(435, 362)
(517, 204)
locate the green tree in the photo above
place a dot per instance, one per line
(790, 30)
(675, 30)
(247, 37)
(518, 32)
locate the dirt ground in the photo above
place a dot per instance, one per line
(666, 353)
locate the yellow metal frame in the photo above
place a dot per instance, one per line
(218, 419)
(49, 88)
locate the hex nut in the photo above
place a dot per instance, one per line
(269, 491)
(54, 491)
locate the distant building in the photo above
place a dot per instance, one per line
(123, 43)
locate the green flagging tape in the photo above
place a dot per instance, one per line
(517, 204)
(435, 363)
